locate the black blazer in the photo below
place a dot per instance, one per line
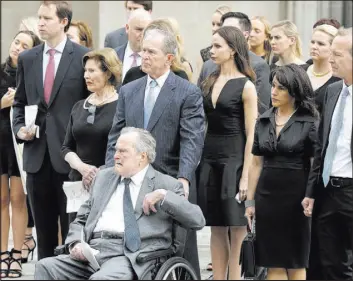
(331, 97)
(52, 119)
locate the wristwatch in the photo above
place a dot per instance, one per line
(249, 203)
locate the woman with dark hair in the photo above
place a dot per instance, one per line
(284, 144)
(11, 184)
(230, 103)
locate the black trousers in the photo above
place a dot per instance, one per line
(335, 232)
(30, 223)
(48, 203)
(190, 251)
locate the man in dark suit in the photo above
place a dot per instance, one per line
(119, 37)
(51, 77)
(130, 53)
(330, 182)
(258, 64)
(171, 109)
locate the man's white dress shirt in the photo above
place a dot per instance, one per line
(342, 161)
(112, 218)
(128, 59)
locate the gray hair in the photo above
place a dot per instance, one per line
(145, 142)
(342, 31)
(170, 44)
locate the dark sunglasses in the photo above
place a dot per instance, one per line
(92, 112)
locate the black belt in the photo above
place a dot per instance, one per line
(107, 235)
(341, 182)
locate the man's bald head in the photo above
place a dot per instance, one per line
(138, 21)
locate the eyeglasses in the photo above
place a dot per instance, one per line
(92, 112)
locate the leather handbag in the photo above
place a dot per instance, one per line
(249, 270)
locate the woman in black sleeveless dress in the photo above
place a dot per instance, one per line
(284, 144)
(11, 184)
(230, 104)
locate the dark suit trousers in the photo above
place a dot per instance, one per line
(190, 252)
(335, 232)
(48, 202)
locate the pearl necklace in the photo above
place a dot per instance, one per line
(103, 102)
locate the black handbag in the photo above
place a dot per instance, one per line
(248, 258)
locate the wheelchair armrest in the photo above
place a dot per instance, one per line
(146, 257)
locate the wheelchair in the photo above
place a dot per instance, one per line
(168, 264)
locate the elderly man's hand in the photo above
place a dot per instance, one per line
(77, 254)
(151, 199)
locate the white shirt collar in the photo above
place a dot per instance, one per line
(160, 80)
(59, 48)
(137, 179)
(345, 86)
(129, 51)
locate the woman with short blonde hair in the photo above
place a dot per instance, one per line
(80, 33)
(91, 119)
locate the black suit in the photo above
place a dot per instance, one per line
(120, 51)
(46, 169)
(333, 205)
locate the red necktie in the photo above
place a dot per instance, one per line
(49, 76)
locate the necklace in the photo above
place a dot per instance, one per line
(101, 103)
(281, 125)
(319, 74)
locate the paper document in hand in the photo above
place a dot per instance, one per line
(31, 112)
(89, 253)
(76, 195)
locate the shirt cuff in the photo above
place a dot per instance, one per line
(165, 195)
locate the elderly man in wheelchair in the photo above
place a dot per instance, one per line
(133, 222)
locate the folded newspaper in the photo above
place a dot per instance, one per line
(89, 253)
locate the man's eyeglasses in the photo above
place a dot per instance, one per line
(92, 114)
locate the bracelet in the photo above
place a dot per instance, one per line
(249, 203)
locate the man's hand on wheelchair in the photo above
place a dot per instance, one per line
(151, 199)
(77, 254)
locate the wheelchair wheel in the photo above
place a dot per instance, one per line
(176, 269)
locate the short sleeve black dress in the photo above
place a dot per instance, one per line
(88, 141)
(282, 229)
(8, 161)
(221, 166)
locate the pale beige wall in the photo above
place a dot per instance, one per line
(194, 18)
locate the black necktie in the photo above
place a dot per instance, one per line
(131, 233)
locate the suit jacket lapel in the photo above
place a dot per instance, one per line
(147, 187)
(137, 105)
(64, 64)
(164, 98)
(38, 70)
(329, 109)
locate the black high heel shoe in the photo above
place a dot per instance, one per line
(7, 260)
(29, 250)
(16, 273)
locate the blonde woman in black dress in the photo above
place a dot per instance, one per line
(230, 103)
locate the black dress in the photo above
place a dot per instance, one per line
(282, 229)
(8, 161)
(88, 141)
(223, 156)
(319, 93)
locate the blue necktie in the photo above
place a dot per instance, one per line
(132, 233)
(336, 127)
(149, 103)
